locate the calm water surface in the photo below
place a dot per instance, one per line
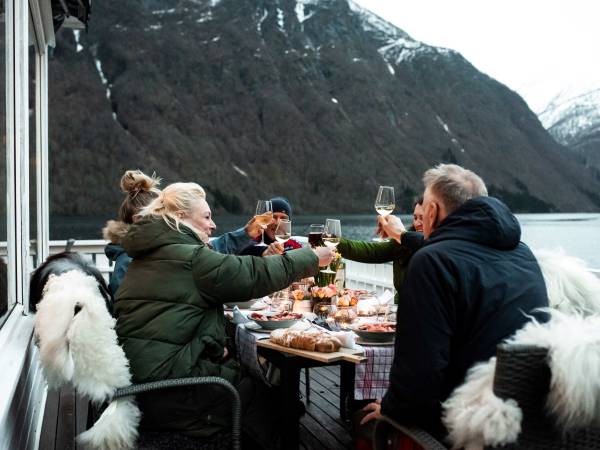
(577, 234)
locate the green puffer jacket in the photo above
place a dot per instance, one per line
(382, 252)
(169, 307)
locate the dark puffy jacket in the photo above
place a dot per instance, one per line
(466, 290)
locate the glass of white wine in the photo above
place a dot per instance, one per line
(283, 232)
(264, 217)
(385, 202)
(331, 237)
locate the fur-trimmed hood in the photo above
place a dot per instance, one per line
(115, 231)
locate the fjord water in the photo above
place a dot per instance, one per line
(577, 234)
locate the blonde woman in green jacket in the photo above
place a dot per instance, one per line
(170, 318)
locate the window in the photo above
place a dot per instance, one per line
(5, 305)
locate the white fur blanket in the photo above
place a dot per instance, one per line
(475, 417)
(78, 344)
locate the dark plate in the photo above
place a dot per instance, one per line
(376, 336)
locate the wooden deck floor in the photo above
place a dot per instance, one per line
(320, 429)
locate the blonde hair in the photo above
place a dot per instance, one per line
(141, 189)
(454, 185)
(175, 198)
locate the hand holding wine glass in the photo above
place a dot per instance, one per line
(331, 237)
(264, 217)
(325, 255)
(391, 226)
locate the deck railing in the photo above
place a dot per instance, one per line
(371, 277)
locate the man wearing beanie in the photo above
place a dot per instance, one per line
(282, 209)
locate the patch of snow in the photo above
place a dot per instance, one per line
(355, 59)
(300, 12)
(153, 27)
(205, 17)
(100, 71)
(280, 19)
(163, 11)
(391, 69)
(240, 171)
(216, 39)
(105, 82)
(114, 116)
(262, 19)
(443, 124)
(334, 100)
(453, 139)
(78, 47)
(214, 3)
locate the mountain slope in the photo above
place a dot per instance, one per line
(573, 118)
(317, 100)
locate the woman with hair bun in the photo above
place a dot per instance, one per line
(170, 319)
(140, 189)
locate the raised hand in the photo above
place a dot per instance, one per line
(325, 255)
(274, 248)
(390, 226)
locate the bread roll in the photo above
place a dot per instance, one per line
(311, 340)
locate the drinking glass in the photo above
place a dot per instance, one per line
(331, 237)
(280, 300)
(385, 202)
(315, 235)
(264, 217)
(283, 232)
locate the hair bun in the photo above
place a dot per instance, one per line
(134, 181)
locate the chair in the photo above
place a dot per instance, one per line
(390, 435)
(157, 440)
(522, 373)
(79, 346)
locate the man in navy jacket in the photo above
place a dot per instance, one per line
(471, 285)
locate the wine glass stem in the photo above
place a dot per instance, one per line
(262, 236)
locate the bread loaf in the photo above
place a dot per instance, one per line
(312, 340)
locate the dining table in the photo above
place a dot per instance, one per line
(364, 372)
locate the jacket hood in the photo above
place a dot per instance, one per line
(115, 231)
(484, 220)
(148, 235)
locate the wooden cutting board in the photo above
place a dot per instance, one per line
(344, 354)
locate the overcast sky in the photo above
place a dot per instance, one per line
(535, 47)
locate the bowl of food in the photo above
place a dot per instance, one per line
(271, 320)
(376, 332)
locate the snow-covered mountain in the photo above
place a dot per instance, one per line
(573, 119)
(571, 116)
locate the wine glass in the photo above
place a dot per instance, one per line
(331, 237)
(385, 202)
(264, 217)
(283, 232)
(315, 235)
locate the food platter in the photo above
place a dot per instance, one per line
(381, 332)
(271, 320)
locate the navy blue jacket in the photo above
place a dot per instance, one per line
(468, 288)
